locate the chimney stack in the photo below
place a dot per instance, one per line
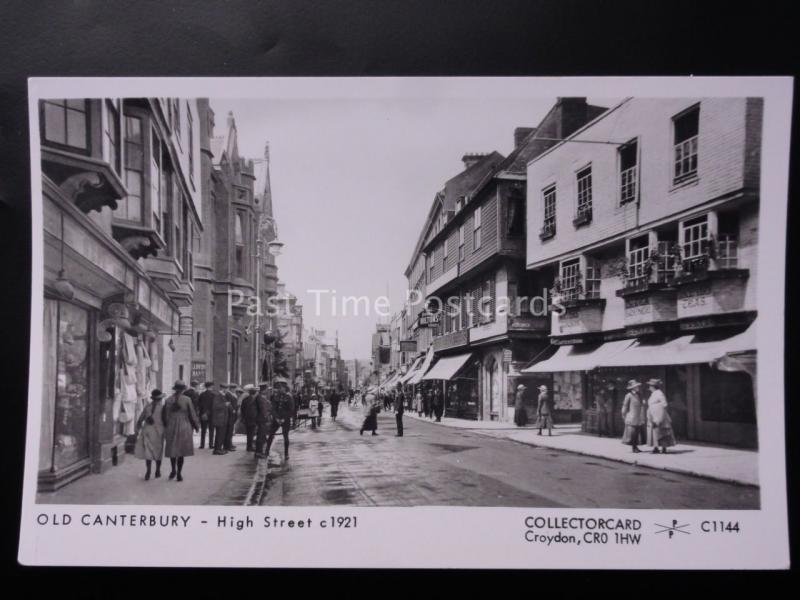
(520, 133)
(471, 158)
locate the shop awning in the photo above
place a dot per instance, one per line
(412, 371)
(684, 350)
(420, 372)
(447, 367)
(390, 381)
(579, 357)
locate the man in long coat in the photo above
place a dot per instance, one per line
(219, 418)
(205, 404)
(249, 412)
(264, 418)
(233, 411)
(283, 408)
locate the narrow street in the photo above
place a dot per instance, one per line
(434, 465)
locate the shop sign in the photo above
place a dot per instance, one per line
(77, 238)
(408, 346)
(693, 301)
(199, 372)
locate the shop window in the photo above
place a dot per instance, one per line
(65, 122)
(629, 172)
(65, 407)
(726, 397)
(686, 128)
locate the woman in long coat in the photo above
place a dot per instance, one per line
(660, 431)
(180, 421)
(634, 414)
(371, 420)
(150, 442)
(520, 416)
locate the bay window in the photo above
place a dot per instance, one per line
(112, 135)
(65, 122)
(130, 207)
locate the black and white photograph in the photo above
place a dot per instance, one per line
(405, 293)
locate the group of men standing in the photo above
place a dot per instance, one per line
(261, 410)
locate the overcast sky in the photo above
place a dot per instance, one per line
(352, 183)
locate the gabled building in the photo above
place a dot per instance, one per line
(645, 224)
(484, 326)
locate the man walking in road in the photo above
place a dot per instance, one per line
(205, 404)
(219, 419)
(250, 417)
(335, 399)
(264, 419)
(283, 408)
(399, 409)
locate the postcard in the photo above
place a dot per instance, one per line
(408, 322)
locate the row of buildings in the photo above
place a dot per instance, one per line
(611, 243)
(159, 238)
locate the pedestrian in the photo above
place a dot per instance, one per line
(179, 420)
(438, 405)
(427, 401)
(150, 442)
(219, 418)
(249, 412)
(283, 409)
(603, 413)
(232, 401)
(633, 413)
(194, 395)
(264, 418)
(544, 411)
(371, 420)
(313, 407)
(335, 399)
(418, 403)
(399, 409)
(659, 422)
(520, 416)
(205, 404)
(320, 408)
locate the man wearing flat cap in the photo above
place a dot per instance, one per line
(219, 417)
(249, 412)
(233, 411)
(264, 418)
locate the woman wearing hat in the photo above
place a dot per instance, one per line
(660, 431)
(633, 412)
(520, 416)
(150, 442)
(180, 421)
(544, 411)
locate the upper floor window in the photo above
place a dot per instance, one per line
(629, 172)
(570, 278)
(130, 208)
(476, 229)
(695, 236)
(190, 129)
(156, 184)
(549, 204)
(431, 265)
(65, 122)
(584, 185)
(112, 135)
(515, 226)
(239, 240)
(686, 127)
(638, 260)
(444, 256)
(461, 243)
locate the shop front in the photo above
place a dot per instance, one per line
(100, 345)
(457, 378)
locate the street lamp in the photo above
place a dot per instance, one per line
(267, 225)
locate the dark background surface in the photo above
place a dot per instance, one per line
(377, 38)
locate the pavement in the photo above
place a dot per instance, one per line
(207, 479)
(714, 462)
